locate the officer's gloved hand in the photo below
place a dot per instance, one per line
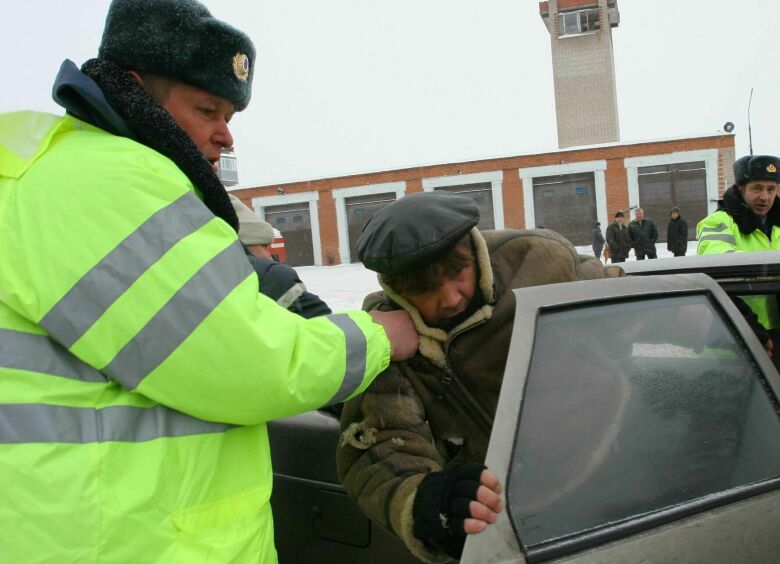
(441, 505)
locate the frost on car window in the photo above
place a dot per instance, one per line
(633, 407)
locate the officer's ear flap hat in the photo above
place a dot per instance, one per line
(415, 230)
(182, 40)
(756, 167)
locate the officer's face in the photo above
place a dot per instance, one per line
(759, 195)
(449, 299)
(203, 116)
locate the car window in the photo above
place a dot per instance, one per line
(633, 407)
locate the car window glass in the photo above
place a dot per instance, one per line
(632, 407)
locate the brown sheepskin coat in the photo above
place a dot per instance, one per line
(437, 408)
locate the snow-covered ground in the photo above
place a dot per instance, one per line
(344, 286)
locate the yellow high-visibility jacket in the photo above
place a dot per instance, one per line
(138, 362)
(719, 233)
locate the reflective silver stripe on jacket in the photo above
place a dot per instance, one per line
(40, 423)
(183, 313)
(83, 305)
(288, 298)
(356, 356)
(38, 353)
(717, 229)
(725, 238)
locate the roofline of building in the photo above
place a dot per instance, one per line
(486, 159)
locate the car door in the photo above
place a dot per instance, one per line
(315, 520)
(637, 422)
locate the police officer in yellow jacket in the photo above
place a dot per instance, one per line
(138, 362)
(748, 219)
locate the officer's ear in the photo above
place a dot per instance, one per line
(137, 77)
(157, 86)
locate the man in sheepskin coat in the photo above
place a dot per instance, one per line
(413, 446)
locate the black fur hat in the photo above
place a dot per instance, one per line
(182, 40)
(756, 167)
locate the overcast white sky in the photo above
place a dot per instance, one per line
(350, 86)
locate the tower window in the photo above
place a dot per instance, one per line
(581, 21)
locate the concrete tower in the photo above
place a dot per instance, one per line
(583, 69)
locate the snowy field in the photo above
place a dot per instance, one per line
(344, 286)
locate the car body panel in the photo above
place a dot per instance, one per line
(694, 538)
(317, 521)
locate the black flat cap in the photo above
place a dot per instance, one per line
(182, 40)
(756, 167)
(415, 230)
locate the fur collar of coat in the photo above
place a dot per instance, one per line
(432, 339)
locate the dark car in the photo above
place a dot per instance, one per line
(639, 423)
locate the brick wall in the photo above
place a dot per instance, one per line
(617, 186)
(726, 158)
(512, 190)
(584, 80)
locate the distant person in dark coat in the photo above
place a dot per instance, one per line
(277, 280)
(597, 240)
(618, 239)
(644, 234)
(677, 234)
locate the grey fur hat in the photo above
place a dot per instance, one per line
(252, 230)
(756, 167)
(182, 40)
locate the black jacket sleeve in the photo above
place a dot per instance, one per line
(752, 319)
(283, 285)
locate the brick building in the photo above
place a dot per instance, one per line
(583, 69)
(588, 179)
(565, 190)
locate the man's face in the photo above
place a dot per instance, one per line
(640, 215)
(204, 117)
(675, 215)
(759, 195)
(449, 299)
(619, 219)
(260, 251)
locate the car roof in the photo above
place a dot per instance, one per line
(727, 265)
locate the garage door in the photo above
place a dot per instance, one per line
(566, 203)
(294, 222)
(359, 210)
(663, 187)
(482, 194)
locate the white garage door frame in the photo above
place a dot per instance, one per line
(709, 156)
(262, 202)
(527, 176)
(496, 179)
(341, 194)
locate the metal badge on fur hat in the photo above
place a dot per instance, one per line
(756, 167)
(252, 230)
(182, 40)
(415, 230)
